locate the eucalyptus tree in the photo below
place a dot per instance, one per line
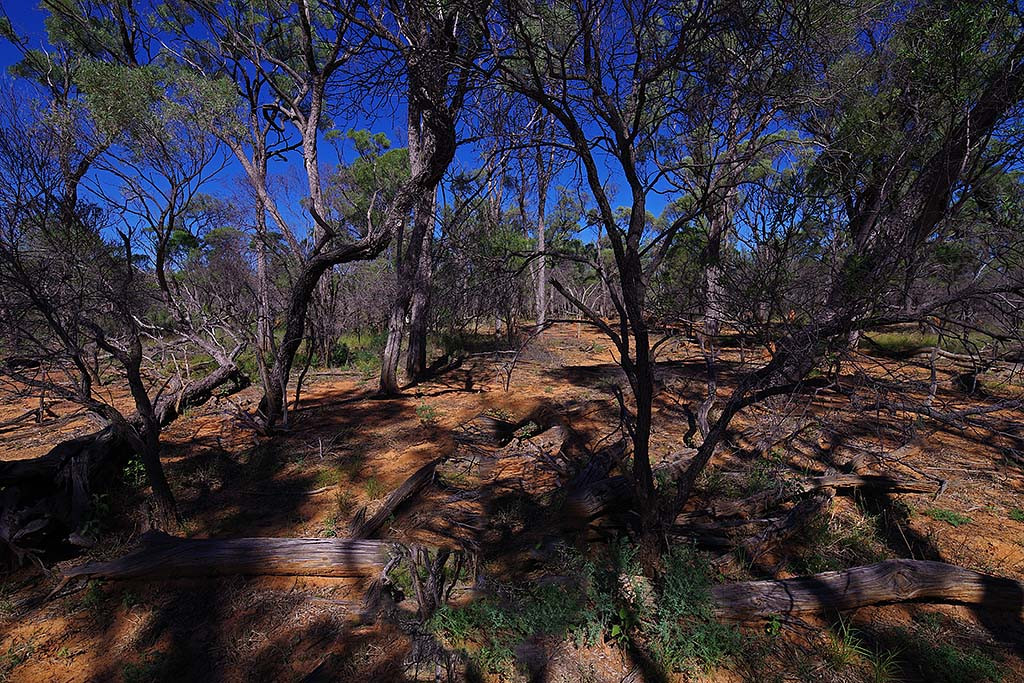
(603, 72)
(911, 131)
(278, 67)
(689, 95)
(434, 46)
(90, 135)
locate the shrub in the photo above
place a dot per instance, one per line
(374, 489)
(427, 414)
(684, 635)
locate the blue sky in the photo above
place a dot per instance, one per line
(388, 117)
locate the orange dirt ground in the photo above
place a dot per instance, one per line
(349, 449)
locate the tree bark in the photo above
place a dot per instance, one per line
(419, 310)
(407, 275)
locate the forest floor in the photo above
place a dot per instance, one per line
(347, 449)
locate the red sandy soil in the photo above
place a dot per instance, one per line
(350, 449)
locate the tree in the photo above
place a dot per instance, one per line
(921, 167)
(436, 47)
(601, 71)
(105, 305)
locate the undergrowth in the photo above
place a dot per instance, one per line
(670, 621)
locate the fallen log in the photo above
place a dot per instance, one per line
(484, 430)
(760, 503)
(166, 557)
(364, 528)
(779, 531)
(874, 584)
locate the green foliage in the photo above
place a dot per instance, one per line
(950, 517)
(99, 513)
(344, 501)
(936, 659)
(1017, 515)
(884, 666)
(846, 647)
(489, 630)
(427, 414)
(330, 529)
(834, 542)
(134, 473)
(673, 620)
(374, 489)
(129, 599)
(527, 430)
(684, 635)
(327, 477)
(93, 597)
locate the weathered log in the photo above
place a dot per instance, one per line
(546, 446)
(874, 584)
(760, 503)
(778, 531)
(166, 557)
(46, 499)
(485, 430)
(364, 528)
(36, 413)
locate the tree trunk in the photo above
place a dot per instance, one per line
(416, 355)
(272, 406)
(541, 298)
(407, 273)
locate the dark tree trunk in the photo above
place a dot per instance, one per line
(416, 355)
(408, 276)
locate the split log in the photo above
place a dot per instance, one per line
(874, 584)
(484, 430)
(760, 503)
(780, 530)
(166, 557)
(547, 446)
(364, 528)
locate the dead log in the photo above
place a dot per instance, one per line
(166, 557)
(484, 430)
(36, 413)
(874, 584)
(364, 528)
(547, 446)
(780, 530)
(760, 503)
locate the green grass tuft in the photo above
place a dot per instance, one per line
(948, 516)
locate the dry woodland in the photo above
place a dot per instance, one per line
(512, 340)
